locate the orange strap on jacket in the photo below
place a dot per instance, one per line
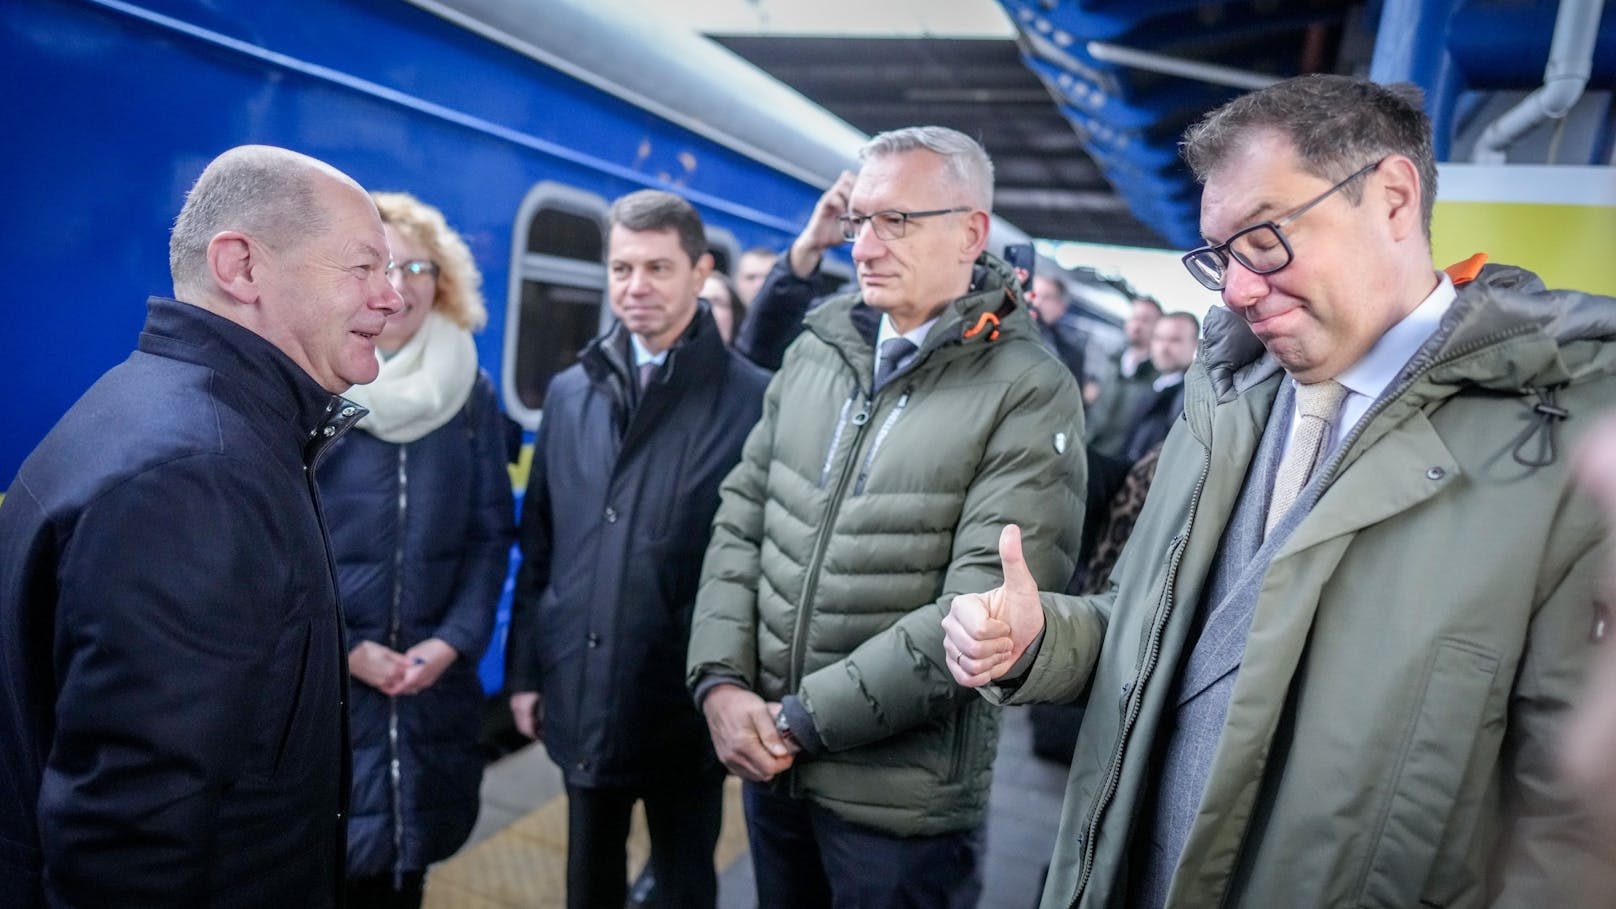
(983, 321)
(1465, 272)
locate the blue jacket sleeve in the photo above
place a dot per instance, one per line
(774, 319)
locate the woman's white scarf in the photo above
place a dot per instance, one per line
(423, 385)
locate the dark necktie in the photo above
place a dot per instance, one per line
(893, 352)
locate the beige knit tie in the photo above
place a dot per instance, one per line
(1316, 407)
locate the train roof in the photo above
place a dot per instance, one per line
(677, 75)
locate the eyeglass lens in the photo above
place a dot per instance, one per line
(888, 225)
(1260, 248)
(413, 268)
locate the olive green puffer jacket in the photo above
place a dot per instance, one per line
(853, 520)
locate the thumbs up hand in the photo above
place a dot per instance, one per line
(985, 633)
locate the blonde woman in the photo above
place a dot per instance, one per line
(420, 514)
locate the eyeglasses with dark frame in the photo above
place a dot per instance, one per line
(889, 224)
(413, 268)
(1261, 248)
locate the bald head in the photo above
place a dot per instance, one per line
(292, 250)
(269, 193)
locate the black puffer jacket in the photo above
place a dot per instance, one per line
(422, 534)
(619, 508)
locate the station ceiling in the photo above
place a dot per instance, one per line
(1047, 184)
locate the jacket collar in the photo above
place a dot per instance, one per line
(695, 357)
(1504, 332)
(991, 310)
(259, 369)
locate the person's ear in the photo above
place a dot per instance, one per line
(233, 263)
(704, 268)
(977, 224)
(1396, 186)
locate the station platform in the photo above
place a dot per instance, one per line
(516, 856)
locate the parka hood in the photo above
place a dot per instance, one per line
(1505, 332)
(993, 309)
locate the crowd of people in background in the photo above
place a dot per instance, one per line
(1317, 571)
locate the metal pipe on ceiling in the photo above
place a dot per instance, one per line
(1177, 66)
(1576, 27)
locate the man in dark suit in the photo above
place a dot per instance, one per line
(1172, 350)
(636, 437)
(1058, 323)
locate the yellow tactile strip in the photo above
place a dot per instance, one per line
(525, 865)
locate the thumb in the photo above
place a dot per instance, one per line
(1018, 581)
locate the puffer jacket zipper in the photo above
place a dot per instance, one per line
(860, 421)
(810, 583)
(880, 436)
(836, 436)
(395, 633)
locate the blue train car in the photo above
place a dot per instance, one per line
(520, 120)
(490, 111)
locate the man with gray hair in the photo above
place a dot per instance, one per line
(171, 705)
(905, 423)
(1333, 660)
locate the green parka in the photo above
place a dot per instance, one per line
(852, 521)
(1391, 734)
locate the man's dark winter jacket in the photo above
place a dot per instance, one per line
(775, 317)
(1067, 340)
(1152, 419)
(422, 535)
(618, 512)
(1111, 417)
(171, 699)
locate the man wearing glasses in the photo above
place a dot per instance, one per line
(1338, 647)
(906, 422)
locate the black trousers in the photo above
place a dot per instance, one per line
(683, 820)
(805, 857)
(379, 892)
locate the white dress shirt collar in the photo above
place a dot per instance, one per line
(1374, 371)
(1167, 380)
(1368, 378)
(643, 356)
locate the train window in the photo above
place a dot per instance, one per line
(555, 302)
(557, 321)
(557, 232)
